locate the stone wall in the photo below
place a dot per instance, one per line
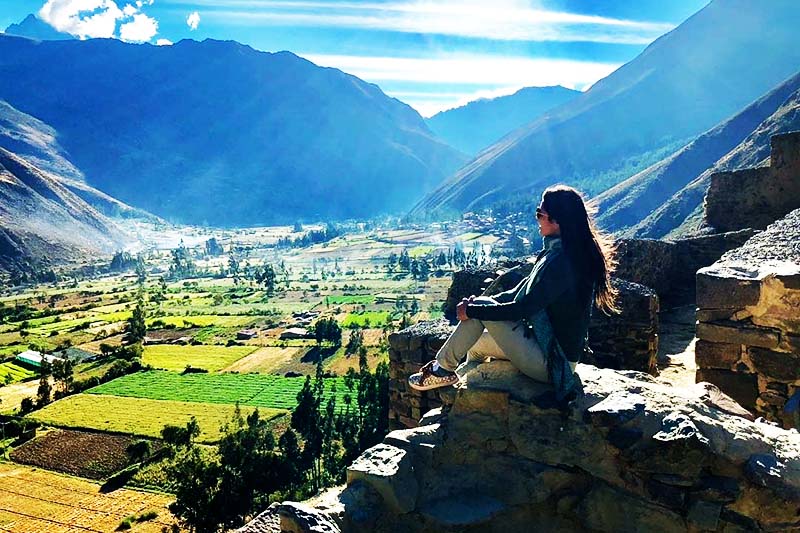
(625, 341)
(632, 455)
(755, 197)
(749, 321)
(669, 267)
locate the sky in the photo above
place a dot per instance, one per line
(432, 54)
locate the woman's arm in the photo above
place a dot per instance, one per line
(554, 279)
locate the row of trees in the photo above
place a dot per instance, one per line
(249, 468)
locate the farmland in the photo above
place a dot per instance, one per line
(37, 501)
(216, 316)
(140, 416)
(257, 390)
(89, 455)
(211, 358)
(11, 372)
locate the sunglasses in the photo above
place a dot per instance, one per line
(540, 213)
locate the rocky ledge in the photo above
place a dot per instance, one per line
(633, 455)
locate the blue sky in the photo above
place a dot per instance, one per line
(432, 54)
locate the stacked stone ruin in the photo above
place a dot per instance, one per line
(749, 322)
(748, 302)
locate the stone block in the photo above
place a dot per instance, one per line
(388, 470)
(713, 315)
(704, 515)
(775, 365)
(740, 386)
(608, 509)
(716, 289)
(730, 333)
(717, 354)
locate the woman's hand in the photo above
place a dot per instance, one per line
(461, 308)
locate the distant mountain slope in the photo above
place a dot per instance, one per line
(478, 124)
(626, 204)
(34, 141)
(33, 27)
(43, 223)
(218, 133)
(713, 64)
(682, 213)
(37, 143)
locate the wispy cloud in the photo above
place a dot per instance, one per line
(505, 74)
(502, 20)
(99, 19)
(193, 20)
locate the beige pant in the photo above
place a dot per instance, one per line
(498, 340)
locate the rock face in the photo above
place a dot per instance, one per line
(749, 321)
(669, 267)
(755, 197)
(633, 455)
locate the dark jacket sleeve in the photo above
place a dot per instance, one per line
(555, 278)
(507, 296)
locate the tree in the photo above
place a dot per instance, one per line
(213, 247)
(138, 450)
(137, 329)
(44, 391)
(63, 370)
(355, 342)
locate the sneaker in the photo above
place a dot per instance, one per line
(427, 378)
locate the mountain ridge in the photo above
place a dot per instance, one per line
(479, 123)
(197, 123)
(642, 112)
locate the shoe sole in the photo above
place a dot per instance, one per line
(433, 385)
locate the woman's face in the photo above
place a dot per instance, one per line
(547, 227)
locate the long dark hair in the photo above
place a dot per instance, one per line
(590, 250)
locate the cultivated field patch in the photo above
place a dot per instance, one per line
(177, 357)
(267, 359)
(140, 416)
(259, 390)
(80, 453)
(37, 501)
(11, 372)
(369, 318)
(201, 321)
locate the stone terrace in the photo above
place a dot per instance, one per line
(749, 321)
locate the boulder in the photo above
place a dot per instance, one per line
(632, 454)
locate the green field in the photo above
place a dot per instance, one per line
(203, 321)
(140, 416)
(375, 318)
(350, 299)
(17, 372)
(259, 390)
(211, 358)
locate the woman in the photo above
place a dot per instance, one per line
(540, 325)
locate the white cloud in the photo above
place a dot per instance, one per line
(88, 19)
(502, 74)
(193, 20)
(164, 42)
(82, 18)
(141, 29)
(500, 20)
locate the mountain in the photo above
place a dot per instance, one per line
(37, 144)
(33, 27)
(218, 133)
(682, 213)
(713, 64)
(43, 223)
(483, 122)
(629, 202)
